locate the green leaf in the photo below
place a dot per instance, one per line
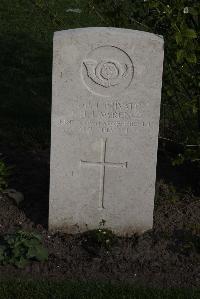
(21, 263)
(10, 239)
(169, 92)
(153, 4)
(194, 109)
(21, 247)
(191, 57)
(180, 54)
(178, 160)
(178, 37)
(17, 251)
(190, 33)
(40, 253)
(31, 243)
(36, 236)
(193, 11)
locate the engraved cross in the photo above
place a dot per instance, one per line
(102, 163)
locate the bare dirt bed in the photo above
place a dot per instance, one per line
(166, 256)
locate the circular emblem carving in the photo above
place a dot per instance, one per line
(107, 70)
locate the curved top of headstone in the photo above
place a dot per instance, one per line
(111, 60)
(116, 30)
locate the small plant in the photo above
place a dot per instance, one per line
(99, 238)
(4, 174)
(21, 247)
(103, 237)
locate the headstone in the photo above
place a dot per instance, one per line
(105, 122)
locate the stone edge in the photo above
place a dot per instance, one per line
(112, 30)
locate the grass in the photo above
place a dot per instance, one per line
(87, 290)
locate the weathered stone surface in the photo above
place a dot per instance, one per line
(105, 121)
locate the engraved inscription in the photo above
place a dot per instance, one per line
(105, 118)
(102, 163)
(107, 70)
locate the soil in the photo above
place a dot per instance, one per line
(166, 256)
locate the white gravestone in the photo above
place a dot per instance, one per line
(105, 121)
